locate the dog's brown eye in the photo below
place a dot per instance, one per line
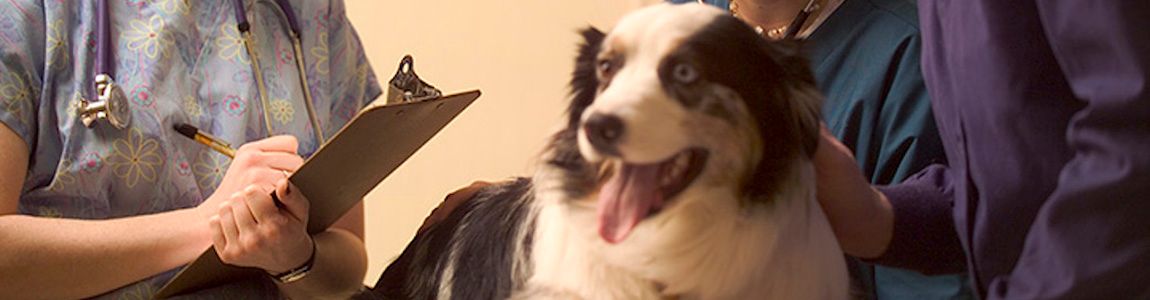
(685, 73)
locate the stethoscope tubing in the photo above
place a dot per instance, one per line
(105, 60)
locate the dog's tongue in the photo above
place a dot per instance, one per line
(626, 199)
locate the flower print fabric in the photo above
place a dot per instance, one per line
(178, 61)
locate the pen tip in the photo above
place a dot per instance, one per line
(186, 130)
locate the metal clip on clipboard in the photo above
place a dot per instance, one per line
(405, 86)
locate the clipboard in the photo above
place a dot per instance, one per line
(337, 177)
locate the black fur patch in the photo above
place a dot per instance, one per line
(486, 247)
(579, 175)
(730, 53)
(584, 83)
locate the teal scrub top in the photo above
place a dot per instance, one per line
(866, 59)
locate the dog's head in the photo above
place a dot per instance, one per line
(680, 98)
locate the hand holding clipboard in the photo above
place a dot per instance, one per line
(369, 148)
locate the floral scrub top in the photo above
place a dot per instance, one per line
(178, 61)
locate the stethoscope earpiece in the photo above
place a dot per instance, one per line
(111, 104)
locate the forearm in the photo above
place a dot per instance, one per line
(863, 225)
(340, 264)
(68, 258)
(859, 215)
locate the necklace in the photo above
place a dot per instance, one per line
(785, 31)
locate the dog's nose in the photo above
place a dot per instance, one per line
(604, 131)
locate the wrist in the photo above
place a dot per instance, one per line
(189, 238)
(884, 225)
(196, 226)
(298, 272)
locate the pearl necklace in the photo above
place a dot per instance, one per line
(781, 32)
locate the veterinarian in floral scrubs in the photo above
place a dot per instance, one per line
(865, 56)
(138, 188)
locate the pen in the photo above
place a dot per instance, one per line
(216, 144)
(208, 140)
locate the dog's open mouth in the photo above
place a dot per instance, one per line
(639, 191)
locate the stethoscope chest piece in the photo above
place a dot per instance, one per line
(111, 104)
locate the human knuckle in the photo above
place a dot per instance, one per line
(252, 242)
(249, 190)
(238, 252)
(292, 142)
(252, 175)
(293, 147)
(257, 158)
(245, 155)
(296, 161)
(273, 231)
(228, 254)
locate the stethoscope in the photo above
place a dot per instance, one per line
(111, 103)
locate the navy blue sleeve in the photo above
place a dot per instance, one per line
(924, 235)
(1091, 239)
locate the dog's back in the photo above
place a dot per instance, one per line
(477, 252)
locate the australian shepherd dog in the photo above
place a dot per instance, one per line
(684, 171)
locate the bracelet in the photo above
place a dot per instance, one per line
(297, 273)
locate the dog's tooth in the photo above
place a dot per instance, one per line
(674, 172)
(681, 164)
(668, 178)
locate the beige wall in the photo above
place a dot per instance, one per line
(518, 53)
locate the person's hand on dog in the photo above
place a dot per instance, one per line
(860, 215)
(248, 229)
(452, 201)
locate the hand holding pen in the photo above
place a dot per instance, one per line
(220, 146)
(250, 225)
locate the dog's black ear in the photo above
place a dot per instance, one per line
(806, 101)
(788, 53)
(584, 83)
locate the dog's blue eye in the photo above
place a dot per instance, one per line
(685, 73)
(605, 66)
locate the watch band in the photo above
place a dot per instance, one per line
(297, 273)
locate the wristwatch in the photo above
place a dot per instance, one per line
(297, 273)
